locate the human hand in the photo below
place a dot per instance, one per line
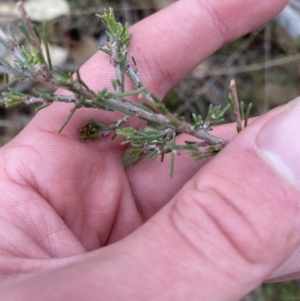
(72, 219)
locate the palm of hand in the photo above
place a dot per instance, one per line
(66, 197)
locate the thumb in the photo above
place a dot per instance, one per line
(233, 224)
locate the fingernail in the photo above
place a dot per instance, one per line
(279, 142)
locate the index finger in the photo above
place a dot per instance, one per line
(169, 45)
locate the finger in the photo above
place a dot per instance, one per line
(167, 46)
(171, 43)
(223, 234)
(239, 216)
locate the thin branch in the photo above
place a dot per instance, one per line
(255, 67)
(24, 16)
(232, 88)
(30, 64)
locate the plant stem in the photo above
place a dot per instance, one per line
(232, 88)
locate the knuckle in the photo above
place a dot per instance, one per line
(210, 221)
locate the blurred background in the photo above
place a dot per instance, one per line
(265, 64)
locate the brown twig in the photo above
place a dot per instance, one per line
(232, 88)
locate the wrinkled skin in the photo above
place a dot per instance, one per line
(76, 225)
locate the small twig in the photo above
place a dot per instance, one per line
(255, 67)
(24, 16)
(130, 108)
(232, 88)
